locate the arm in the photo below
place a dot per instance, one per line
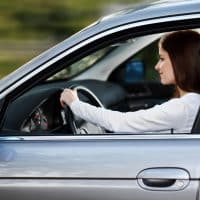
(170, 115)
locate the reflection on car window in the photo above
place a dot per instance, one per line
(81, 65)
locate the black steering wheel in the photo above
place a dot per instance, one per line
(80, 126)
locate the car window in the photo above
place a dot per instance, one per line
(43, 113)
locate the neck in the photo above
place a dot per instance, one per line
(181, 92)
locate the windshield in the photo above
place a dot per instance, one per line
(81, 65)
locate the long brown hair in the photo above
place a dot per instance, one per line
(183, 48)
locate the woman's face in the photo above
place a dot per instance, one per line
(164, 68)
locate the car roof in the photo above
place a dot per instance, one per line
(155, 10)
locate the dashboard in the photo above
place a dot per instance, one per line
(39, 110)
(47, 116)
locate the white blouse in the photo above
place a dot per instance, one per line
(177, 114)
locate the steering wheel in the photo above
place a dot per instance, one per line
(80, 126)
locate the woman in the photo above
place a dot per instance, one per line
(179, 64)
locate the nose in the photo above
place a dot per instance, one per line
(157, 66)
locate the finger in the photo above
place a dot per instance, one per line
(75, 93)
(62, 102)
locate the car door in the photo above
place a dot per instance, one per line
(100, 167)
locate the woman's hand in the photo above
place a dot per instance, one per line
(68, 96)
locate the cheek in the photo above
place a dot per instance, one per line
(173, 78)
(171, 75)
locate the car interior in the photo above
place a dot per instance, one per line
(120, 76)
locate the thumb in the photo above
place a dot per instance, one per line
(75, 93)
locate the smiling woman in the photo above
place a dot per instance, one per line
(165, 68)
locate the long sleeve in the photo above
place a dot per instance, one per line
(170, 115)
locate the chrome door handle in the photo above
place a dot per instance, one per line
(163, 178)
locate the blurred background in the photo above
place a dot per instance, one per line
(28, 27)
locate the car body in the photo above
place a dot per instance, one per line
(113, 59)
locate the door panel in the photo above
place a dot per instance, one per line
(87, 190)
(96, 167)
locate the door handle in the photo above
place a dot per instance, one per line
(158, 182)
(163, 178)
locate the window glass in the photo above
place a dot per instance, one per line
(81, 65)
(138, 68)
(149, 57)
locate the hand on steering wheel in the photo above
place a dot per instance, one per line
(70, 118)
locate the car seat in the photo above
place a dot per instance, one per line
(196, 125)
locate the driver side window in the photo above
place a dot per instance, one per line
(131, 85)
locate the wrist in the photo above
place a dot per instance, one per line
(73, 102)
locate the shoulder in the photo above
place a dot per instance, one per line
(191, 97)
(181, 107)
(187, 99)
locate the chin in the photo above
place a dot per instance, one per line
(164, 82)
(167, 83)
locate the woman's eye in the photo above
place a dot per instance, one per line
(161, 59)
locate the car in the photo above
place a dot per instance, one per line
(48, 153)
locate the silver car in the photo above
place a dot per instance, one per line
(47, 153)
